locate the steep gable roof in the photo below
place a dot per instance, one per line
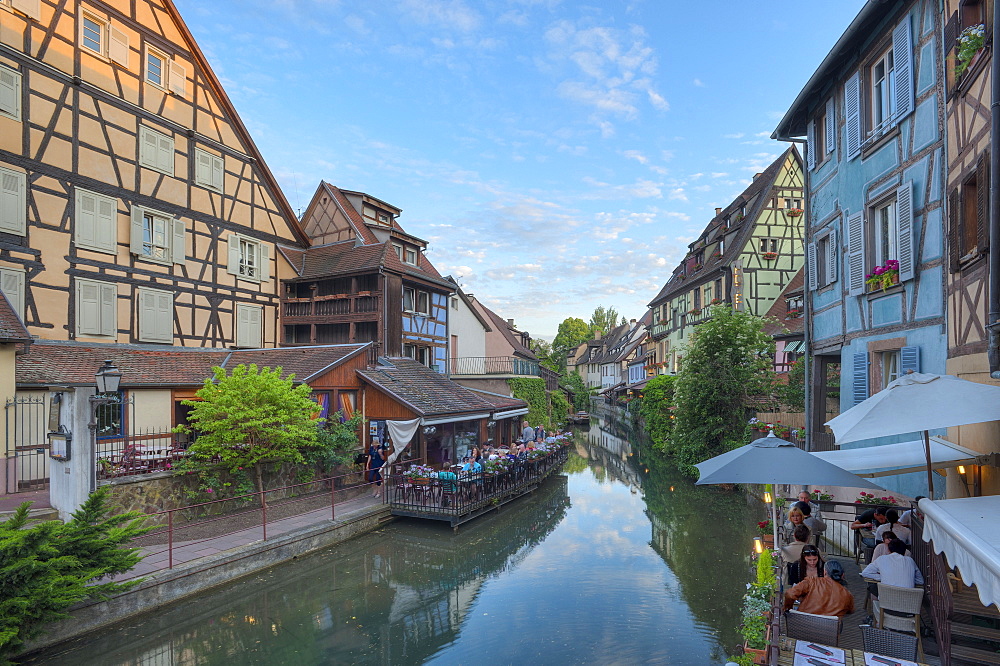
(786, 325)
(11, 327)
(500, 324)
(426, 392)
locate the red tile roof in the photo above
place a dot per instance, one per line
(52, 363)
(358, 222)
(786, 325)
(11, 327)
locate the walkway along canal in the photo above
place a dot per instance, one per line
(613, 559)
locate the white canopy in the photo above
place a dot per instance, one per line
(888, 459)
(965, 530)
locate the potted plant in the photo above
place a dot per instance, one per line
(769, 256)
(766, 529)
(883, 277)
(419, 475)
(794, 313)
(970, 44)
(823, 499)
(869, 498)
(757, 604)
(794, 212)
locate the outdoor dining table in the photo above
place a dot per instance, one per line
(787, 656)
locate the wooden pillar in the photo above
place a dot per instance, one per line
(817, 387)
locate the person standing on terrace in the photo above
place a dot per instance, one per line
(528, 434)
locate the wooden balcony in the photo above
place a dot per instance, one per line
(304, 310)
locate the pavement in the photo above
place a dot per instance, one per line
(38, 498)
(157, 557)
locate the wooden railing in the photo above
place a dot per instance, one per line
(335, 304)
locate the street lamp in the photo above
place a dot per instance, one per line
(108, 378)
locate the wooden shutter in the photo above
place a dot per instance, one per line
(165, 316)
(178, 247)
(86, 219)
(264, 268)
(852, 115)
(218, 172)
(859, 385)
(178, 77)
(203, 168)
(811, 261)
(13, 205)
(107, 224)
(902, 57)
(10, 92)
(831, 125)
(254, 318)
(88, 308)
(147, 314)
(165, 153)
(904, 230)
(950, 41)
(109, 309)
(811, 147)
(148, 149)
(118, 46)
(248, 325)
(233, 266)
(135, 236)
(983, 202)
(909, 359)
(32, 8)
(156, 312)
(855, 254)
(954, 232)
(832, 257)
(12, 286)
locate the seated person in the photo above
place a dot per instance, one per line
(807, 498)
(815, 525)
(449, 481)
(891, 524)
(810, 565)
(795, 518)
(869, 519)
(904, 520)
(883, 548)
(822, 595)
(793, 551)
(894, 568)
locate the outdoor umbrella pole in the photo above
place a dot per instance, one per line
(930, 472)
(774, 514)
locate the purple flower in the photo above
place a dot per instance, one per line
(209, 490)
(879, 270)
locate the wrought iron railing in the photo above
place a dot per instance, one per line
(493, 365)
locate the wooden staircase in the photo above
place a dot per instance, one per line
(975, 629)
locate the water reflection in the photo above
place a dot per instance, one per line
(618, 559)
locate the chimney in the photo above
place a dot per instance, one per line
(510, 322)
(632, 321)
(757, 175)
(718, 210)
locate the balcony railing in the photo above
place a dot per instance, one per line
(659, 329)
(325, 306)
(493, 365)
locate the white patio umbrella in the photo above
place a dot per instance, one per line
(918, 402)
(773, 460)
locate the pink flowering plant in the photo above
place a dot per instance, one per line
(883, 277)
(870, 498)
(820, 496)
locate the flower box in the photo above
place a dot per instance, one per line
(794, 212)
(883, 277)
(759, 655)
(769, 255)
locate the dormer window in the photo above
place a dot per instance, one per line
(406, 254)
(383, 218)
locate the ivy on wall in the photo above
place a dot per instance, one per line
(532, 390)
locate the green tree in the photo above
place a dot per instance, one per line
(543, 350)
(336, 442)
(727, 363)
(572, 332)
(657, 409)
(250, 418)
(578, 389)
(560, 406)
(48, 567)
(792, 394)
(604, 320)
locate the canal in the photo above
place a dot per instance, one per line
(619, 559)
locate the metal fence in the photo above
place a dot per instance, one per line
(27, 450)
(493, 365)
(124, 449)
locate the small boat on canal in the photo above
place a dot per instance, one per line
(580, 418)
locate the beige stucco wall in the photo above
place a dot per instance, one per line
(7, 388)
(153, 410)
(981, 437)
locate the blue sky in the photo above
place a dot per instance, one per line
(557, 155)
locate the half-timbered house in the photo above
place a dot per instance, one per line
(968, 86)
(745, 257)
(872, 115)
(364, 279)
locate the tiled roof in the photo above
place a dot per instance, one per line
(11, 327)
(761, 183)
(51, 363)
(508, 333)
(499, 402)
(792, 325)
(341, 258)
(358, 222)
(426, 392)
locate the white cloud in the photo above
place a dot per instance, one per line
(678, 194)
(447, 14)
(698, 83)
(736, 135)
(636, 155)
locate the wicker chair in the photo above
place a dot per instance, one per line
(889, 643)
(901, 600)
(823, 629)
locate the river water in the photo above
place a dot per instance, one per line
(618, 560)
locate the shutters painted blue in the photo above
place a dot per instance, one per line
(904, 227)
(831, 125)
(909, 359)
(859, 390)
(902, 57)
(852, 115)
(811, 148)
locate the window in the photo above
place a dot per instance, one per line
(884, 233)
(406, 254)
(32, 8)
(96, 222)
(10, 93)
(718, 289)
(156, 315)
(383, 218)
(98, 35)
(156, 67)
(769, 245)
(889, 364)
(93, 35)
(722, 246)
(209, 170)
(157, 236)
(249, 259)
(156, 151)
(248, 325)
(696, 298)
(821, 257)
(409, 299)
(793, 203)
(419, 354)
(96, 308)
(881, 93)
(12, 285)
(423, 302)
(968, 216)
(13, 202)
(821, 135)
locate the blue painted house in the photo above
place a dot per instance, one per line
(872, 116)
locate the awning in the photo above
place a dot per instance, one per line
(638, 386)
(611, 389)
(795, 346)
(453, 418)
(965, 530)
(509, 413)
(902, 458)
